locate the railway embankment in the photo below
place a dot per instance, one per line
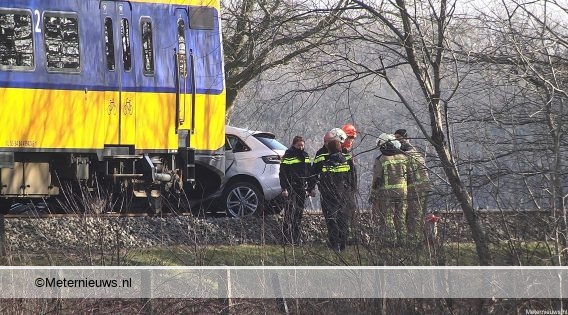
(108, 232)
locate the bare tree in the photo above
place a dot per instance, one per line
(546, 70)
(523, 46)
(260, 35)
(413, 35)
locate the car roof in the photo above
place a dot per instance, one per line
(243, 132)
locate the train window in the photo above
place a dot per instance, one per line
(147, 46)
(201, 18)
(109, 44)
(126, 53)
(16, 40)
(61, 40)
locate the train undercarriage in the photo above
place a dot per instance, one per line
(112, 180)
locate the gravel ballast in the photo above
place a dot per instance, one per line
(138, 232)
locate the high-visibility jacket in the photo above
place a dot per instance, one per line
(321, 160)
(320, 157)
(390, 173)
(334, 178)
(353, 172)
(418, 180)
(295, 169)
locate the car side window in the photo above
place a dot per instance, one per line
(228, 144)
(237, 144)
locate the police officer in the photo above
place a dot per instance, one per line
(334, 187)
(295, 173)
(323, 153)
(389, 187)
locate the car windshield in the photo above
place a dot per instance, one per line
(270, 142)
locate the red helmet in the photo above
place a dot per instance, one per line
(350, 130)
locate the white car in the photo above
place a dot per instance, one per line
(252, 164)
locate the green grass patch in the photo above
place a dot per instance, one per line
(450, 254)
(504, 254)
(239, 255)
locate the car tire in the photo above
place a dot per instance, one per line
(242, 199)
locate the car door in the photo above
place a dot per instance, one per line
(242, 159)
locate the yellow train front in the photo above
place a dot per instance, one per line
(108, 98)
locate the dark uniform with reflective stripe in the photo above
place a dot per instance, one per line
(334, 186)
(352, 172)
(321, 156)
(295, 173)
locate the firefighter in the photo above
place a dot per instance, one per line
(347, 148)
(295, 172)
(418, 187)
(389, 188)
(351, 133)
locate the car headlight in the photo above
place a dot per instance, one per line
(271, 159)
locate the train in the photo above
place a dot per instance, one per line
(120, 101)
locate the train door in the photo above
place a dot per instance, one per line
(119, 75)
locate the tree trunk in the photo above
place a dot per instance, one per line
(464, 199)
(230, 99)
(459, 189)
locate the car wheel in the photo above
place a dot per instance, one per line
(242, 199)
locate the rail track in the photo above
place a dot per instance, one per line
(91, 215)
(93, 207)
